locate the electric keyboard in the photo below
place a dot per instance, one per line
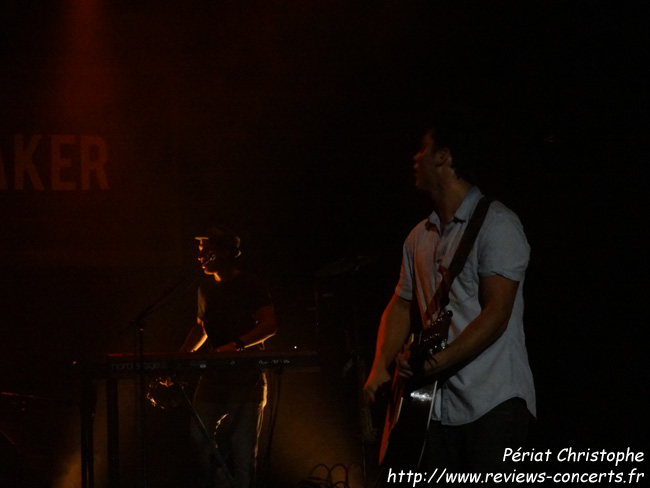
(121, 365)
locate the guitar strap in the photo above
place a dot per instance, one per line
(440, 298)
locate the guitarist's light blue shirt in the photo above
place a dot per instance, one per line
(502, 370)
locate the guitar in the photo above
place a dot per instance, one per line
(411, 403)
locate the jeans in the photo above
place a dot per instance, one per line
(232, 415)
(479, 445)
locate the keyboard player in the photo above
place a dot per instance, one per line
(234, 313)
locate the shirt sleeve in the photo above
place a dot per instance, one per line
(503, 247)
(405, 286)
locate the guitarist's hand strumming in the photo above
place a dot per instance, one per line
(376, 379)
(404, 369)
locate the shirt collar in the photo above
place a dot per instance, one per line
(464, 211)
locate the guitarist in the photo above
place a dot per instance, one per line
(486, 397)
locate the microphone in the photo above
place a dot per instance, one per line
(205, 261)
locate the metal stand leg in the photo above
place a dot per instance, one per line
(208, 437)
(112, 424)
(87, 407)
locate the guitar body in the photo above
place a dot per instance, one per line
(407, 423)
(411, 404)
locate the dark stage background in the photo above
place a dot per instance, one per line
(127, 124)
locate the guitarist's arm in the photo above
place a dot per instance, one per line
(394, 329)
(497, 295)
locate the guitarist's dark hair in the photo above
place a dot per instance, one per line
(459, 132)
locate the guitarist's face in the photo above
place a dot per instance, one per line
(430, 164)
